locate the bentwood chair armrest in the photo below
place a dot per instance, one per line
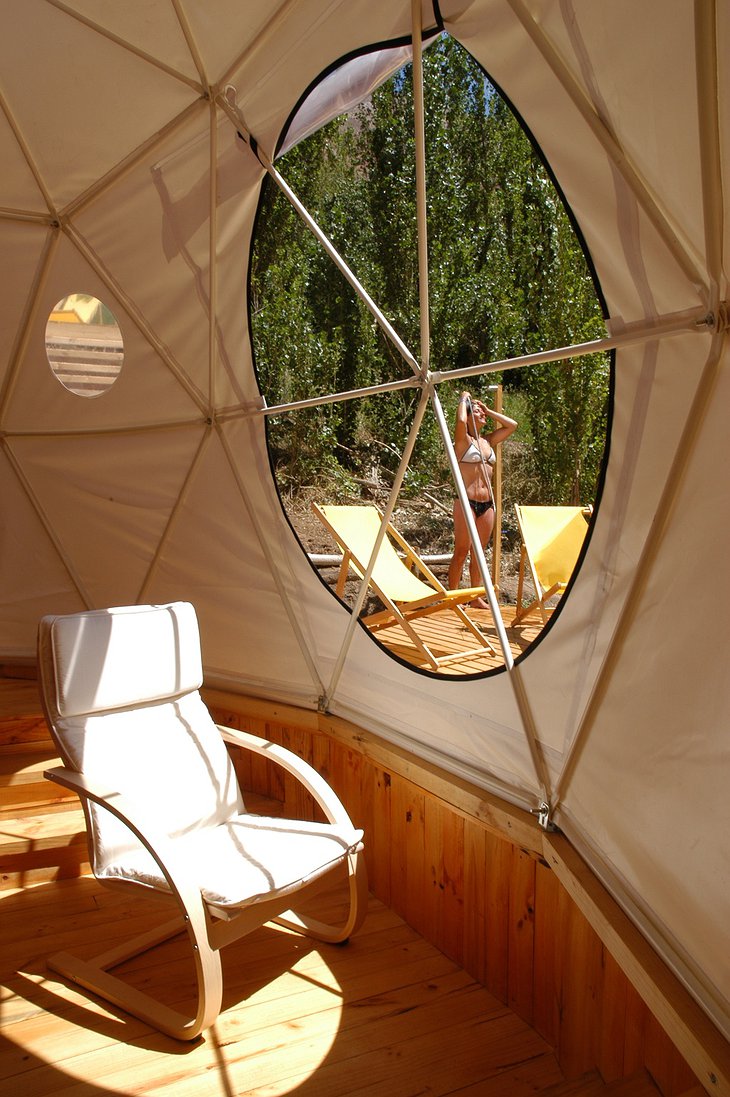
(79, 783)
(96, 975)
(158, 844)
(306, 774)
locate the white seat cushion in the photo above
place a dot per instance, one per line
(248, 859)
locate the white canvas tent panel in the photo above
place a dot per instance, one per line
(81, 130)
(123, 177)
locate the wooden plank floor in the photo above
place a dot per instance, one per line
(444, 634)
(387, 1014)
(20, 702)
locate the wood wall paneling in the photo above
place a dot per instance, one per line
(470, 876)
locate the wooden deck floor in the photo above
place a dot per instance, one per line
(385, 1015)
(444, 634)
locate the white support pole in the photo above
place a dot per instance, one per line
(212, 253)
(708, 97)
(643, 568)
(340, 397)
(286, 601)
(421, 209)
(597, 119)
(706, 52)
(515, 677)
(172, 518)
(476, 546)
(229, 107)
(643, 331)
(698, 321)
(387, 515)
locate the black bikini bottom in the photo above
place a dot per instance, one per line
(481, 506)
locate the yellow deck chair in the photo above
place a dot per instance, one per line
(405, 594)
(552, 538)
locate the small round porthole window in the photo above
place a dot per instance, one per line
(84, 344)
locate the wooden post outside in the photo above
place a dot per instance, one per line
(497, 488)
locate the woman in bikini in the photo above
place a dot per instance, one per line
(477, 457)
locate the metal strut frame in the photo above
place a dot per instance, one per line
(694, 320)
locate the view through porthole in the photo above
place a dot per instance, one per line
(84, 344)
(507, 277)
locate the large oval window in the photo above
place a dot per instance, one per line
(355, 440)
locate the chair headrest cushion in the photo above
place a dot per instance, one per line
(117, 658)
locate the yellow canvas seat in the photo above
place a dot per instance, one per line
(404, 583)
(552, 538)
(163, 807)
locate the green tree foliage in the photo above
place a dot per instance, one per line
(506, 277)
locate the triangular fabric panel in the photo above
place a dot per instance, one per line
(32, 571)
(154, 31)
(236, 584)
(22, 247)
(134, 139)
(81, 133)
(109, 499)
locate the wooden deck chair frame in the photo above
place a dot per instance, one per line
(434, 596)
(207, 926)
(529, 557)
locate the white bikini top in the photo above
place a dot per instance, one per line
(473, 456)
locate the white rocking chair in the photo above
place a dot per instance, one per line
(163, 806)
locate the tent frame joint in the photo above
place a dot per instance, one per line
(543, 813)
(717, 321)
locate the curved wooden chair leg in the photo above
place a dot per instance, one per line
(152, 671)
(324, 931)
(94, 975)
